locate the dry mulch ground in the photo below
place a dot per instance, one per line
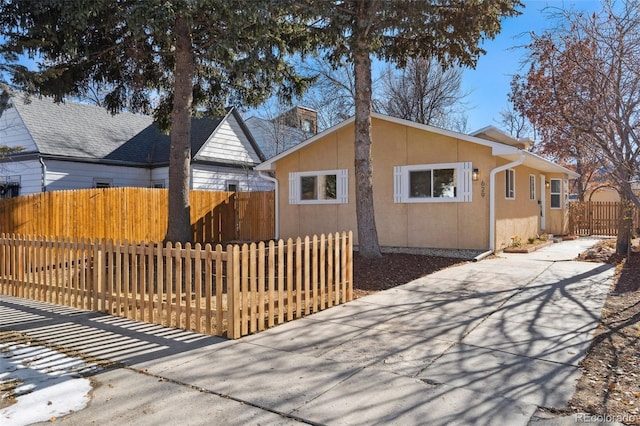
(610, 383)
(393, 269)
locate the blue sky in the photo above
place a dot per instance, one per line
(489, 82)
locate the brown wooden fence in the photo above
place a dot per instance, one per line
(139, 214)
(226, 292)
(597, 218)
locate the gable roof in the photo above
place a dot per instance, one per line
(87, 132)
(498, 135)
(502, 150)
(79, 130)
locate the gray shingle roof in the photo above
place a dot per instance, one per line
(82, 131)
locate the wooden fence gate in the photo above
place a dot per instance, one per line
(597, 218)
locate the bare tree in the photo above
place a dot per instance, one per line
(425, 92)
(332, 94)
(516, 123)
(583, 90)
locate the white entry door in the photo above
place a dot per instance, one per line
(543, 203)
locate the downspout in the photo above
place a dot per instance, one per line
(44, 174)
(492, 199)
(277, 211)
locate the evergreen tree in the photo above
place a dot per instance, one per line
(177, 58)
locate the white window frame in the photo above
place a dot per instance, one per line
(463, 187)
(532, 187)
(557, 193)
(509, 184)
(342, 186)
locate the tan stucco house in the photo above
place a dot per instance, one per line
(433, 188)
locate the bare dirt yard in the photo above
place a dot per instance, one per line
(610, 383)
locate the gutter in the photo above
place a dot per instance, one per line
(44, 174)
(492, 200)
(277, 210)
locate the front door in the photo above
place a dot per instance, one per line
(543, 203)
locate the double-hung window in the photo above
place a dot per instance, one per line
(319, 187)
(556, 193)
(432, 183)
(510, 184)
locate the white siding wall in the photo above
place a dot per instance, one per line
(63, 175)
(215, 178)
(13, 132)
(229, 142)
(160, 174)
(28, 173)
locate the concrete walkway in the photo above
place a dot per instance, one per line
(482, 343)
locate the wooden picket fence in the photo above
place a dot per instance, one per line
(597, 218)
(139, 214)
(235, 291)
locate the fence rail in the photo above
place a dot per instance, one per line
(229, 292)
(139, 214)
(598, 217)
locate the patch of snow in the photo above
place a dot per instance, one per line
(48, 383)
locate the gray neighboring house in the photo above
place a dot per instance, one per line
(283, 132)
(74, 146)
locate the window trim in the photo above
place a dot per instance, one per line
(510, 187)
(228, 184)
(558, 193)
(10, 187)
(532, 187)
(342, 186)
(463, 185)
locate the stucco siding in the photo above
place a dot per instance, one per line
(517, 218)
(437, 224)
(406, 221)
(62, 175)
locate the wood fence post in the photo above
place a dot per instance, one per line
(98, 267)
(233, 291)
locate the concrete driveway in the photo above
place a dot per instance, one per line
(482, 343)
